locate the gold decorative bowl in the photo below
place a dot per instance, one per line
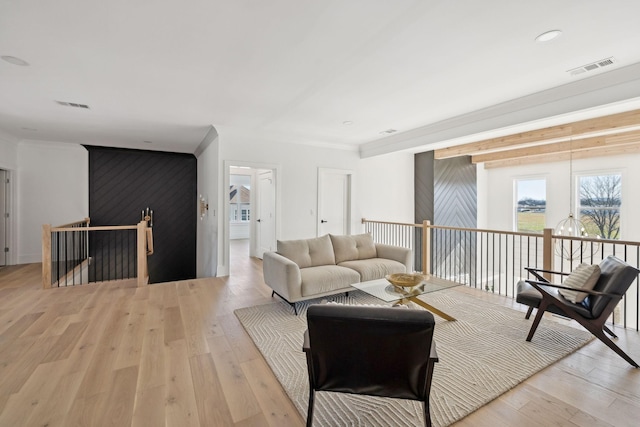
(406, 280)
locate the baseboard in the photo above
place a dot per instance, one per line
(29, 258)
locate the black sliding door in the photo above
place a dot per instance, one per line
(123, 183)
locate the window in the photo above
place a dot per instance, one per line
(600, 199)
(531, 197)
(240, 199)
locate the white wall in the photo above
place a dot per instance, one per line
(298, 181)
(8, 152)
(207, 232)
(386, 187)
(239, 231)
(496, 191)
(52, 187)
(382, 186)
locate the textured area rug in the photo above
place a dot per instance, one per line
(482, 355)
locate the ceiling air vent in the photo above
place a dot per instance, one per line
(388, 132)
(73, 104)
(593, 66)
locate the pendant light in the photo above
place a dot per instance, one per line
(571, 226)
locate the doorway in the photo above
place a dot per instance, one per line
(334, 201)
(240, 213)
(250, 213)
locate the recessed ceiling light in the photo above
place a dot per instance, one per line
(347, 122)
(15, 61)
(548, 35)
(388, 132)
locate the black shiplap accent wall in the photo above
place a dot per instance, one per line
(455, 193)
(446, 194)
(123, 182)
(423, 198)
(456, 205)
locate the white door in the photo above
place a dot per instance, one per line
(4, 212)
(334, 201)
(266, 221)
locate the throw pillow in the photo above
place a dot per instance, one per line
(353, 247)
(308, 252)
(585, 276)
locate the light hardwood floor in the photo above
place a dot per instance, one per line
(174, 354)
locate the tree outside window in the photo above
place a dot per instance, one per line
(600, 200)
(531, 196)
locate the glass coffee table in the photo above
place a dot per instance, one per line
(385, 291)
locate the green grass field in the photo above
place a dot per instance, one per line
(593, 229)
(531, 222)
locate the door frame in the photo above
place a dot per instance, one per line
(223, 260)
(11, 234)
(350, 178)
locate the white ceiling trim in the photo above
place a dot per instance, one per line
(608, 93)
(230, 134)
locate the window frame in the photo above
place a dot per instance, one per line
(514, 213)
(578, 192)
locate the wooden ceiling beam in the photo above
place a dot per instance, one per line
(610, 140)
(612, 122)
(504, 142)
(633, 148)
(565, 131)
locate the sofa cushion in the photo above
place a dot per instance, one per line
(348, 248)
(367, 305)
(326, 278)
(585, 276)
(374, 268)
(308, 252)
(528, 295)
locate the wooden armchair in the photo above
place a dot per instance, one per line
(616, 276)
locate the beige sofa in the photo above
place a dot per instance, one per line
(327, 265)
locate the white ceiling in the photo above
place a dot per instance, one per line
(295, 70)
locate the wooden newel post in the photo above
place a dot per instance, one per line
(142, 253)
(46, 256)
(547, 251)
(426, 247)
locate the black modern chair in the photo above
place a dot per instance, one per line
(376, 351)
(616, 276)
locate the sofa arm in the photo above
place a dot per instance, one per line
(396, 253)
(282, 275)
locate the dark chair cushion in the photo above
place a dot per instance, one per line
(615, 277)
(528, 295)
(380, 351)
